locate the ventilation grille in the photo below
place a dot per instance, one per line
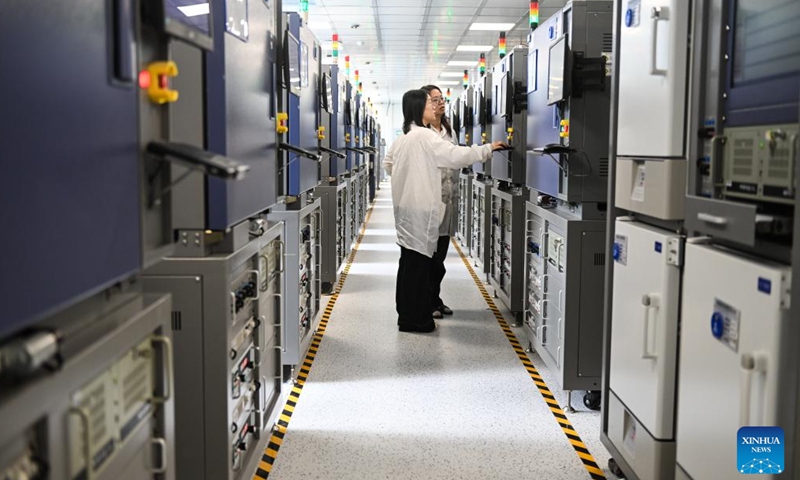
(599, 259)
(95, 405)
(135, 386)
(743, 157)
(779, 165)
(608, 42)
(177, 321)
(603, 167)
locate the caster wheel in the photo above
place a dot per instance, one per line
(612, 465)
(592, 400)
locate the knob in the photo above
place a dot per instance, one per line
(234, 427)
(717, 325)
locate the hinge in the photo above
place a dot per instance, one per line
(675, 251)
(786, 292)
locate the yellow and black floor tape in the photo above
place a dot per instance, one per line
(580, 448)
(279, 432)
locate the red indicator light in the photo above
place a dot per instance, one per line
(163, 81)
(144, 79)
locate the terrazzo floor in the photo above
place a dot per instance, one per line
(453, 404)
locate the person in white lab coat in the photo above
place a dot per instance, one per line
(413, 162)
(448, 226)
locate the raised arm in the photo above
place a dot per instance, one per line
(448, 155)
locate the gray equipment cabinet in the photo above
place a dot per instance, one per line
(464, 225)
(507, 248)
(226, 322)
(301, 278)
(479, 248)
(108, 411)
(564, 259)
(335, 246)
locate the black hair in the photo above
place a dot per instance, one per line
(445, 121)
(414, 104)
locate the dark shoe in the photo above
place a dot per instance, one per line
(411, 327)
(436, 314)
(444, 309)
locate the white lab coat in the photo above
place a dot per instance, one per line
(449, 191)
(413, 162)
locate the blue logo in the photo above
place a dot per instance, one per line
(658, 247)
(760, 450)
(764, 285)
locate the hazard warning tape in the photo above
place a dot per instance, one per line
(281, 426)
(574, 439)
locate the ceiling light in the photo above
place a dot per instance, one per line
(449, 82)
(491, 26)
(474, 48)
(462, 63)
(319, 25)
(452, 74)
(194, 10)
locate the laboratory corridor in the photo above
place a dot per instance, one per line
(459, 403)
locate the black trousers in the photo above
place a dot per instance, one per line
(438, 270)
(412, 294)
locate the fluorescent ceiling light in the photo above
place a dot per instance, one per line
(474, 48)
(500, 27)
(194, 10)
(462, 63)
(448, 82)
(452, 74)
(319, 25)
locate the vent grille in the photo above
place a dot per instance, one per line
(95, 405)
(608, 42)
(135, 386)
(177, 321)
(779, 165)
(743, 157)
(603, 167)
(599, 259)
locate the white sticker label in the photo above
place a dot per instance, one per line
(725, 324)
(638, 185)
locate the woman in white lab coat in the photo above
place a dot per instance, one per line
(447, 228)
(413, 162)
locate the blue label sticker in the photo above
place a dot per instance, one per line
(658, 247)
(764, 285)
(760, 450)
(615, 251)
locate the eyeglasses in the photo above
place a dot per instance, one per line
(437, 100)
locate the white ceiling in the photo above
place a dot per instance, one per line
(407, 43)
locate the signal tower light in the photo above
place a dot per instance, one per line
(356, 77)
(448, 95)
(336, 46)
(304, 10)
(501, 49)
(534, 15)
(347, 66)
(482, 64)
(466, 78)
(360, 87)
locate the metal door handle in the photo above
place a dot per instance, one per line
(162, 467)
(649, 301)
(560, 333)
(166, 343)
(712, 219)
(657, 14)
(539, 333)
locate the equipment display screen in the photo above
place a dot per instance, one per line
(189, 20)
(556, 71)
(326, 94)
(765, 39)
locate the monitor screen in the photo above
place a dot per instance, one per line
(292, 46)
(556, 71)
(190, 21)
(502, 99)
(765, 39)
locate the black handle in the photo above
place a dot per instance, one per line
(300, 151)
(124, 41)
(332, 152)
(196, 158)
(353, 149)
